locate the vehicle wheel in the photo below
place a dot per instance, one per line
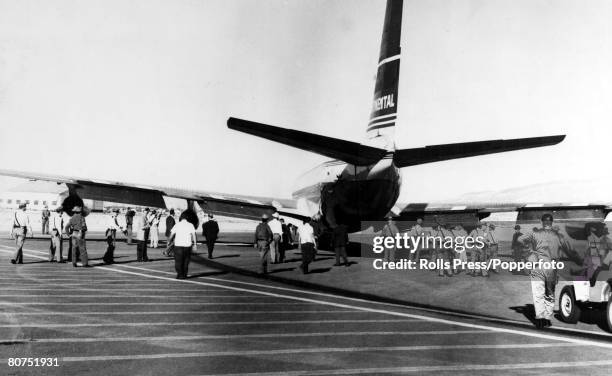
(568, 309)
(609, 313)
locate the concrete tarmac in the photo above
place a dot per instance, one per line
(135, 318)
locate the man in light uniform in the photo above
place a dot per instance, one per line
(390, 230)
(277, 233)
(57, 227)
(77, 227)
(492, 245)
(45, 220)
(546, 245)
(458, 232)
(479, 254)
(417, 230)
(21, 224)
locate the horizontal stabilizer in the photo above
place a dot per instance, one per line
(437, 153)
(347, 151)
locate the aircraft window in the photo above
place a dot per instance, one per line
(35, 202)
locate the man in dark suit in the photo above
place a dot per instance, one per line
(210, 230)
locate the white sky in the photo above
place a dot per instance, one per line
(140, 91)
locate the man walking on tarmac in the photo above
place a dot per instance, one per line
(21, 223)
(263, 237)
(546, 245)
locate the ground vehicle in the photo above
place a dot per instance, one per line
(577, 295)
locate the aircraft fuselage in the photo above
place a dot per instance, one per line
(347, 194)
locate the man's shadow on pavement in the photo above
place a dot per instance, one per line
(280, 270)
(527, 310)
(206, 274)
(224, 256)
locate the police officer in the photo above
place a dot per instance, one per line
(263, 237)
(57, 227)
(479, 254)
(417, 230)
(390, 230)
(546, 245)
(21, 223)
(492, 245)
(77, 227)
(45, 220)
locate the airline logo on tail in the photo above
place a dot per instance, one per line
(383, 103)
(384, 107)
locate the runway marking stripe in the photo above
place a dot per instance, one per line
(307, 350)
(132, 296)
(420, 369)
(387, 312)
(467, 315)
(241, 336)
(46, 313)
(215, 323)
(136, 303)
(382, 311)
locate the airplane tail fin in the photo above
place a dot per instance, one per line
(384, 106)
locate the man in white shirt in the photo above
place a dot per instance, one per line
(112, 225)
(21, 223)
(183, 234)
(57, 226)
(307, 245)
(277, 233)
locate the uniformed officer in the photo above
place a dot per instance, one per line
(459, 233)
(492, 245)
(479, 254)
(263, 237)
(45, 215)
(390, 230)
(546, 245)
(417, 230)
(443, 253)
(57, 227)
(77, 227)
(21, 224)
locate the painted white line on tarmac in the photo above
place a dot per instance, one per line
(525, 333)
(143, 303)
(466, 315)
(422, 369)
(242, 336)
(46, 313)
(201, 323)
(132, 296)
(539, 335)
(308, 350)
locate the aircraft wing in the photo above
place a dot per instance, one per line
(240, 206)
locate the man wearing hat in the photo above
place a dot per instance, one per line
(210, 230)
(112, 225)
(21, 223)
(45, 220)
(390, 230)
(492, 244)
(479, 254)
(77, 228)
(546, 245)
(277, 233)
(57, 226)
(263, 236)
